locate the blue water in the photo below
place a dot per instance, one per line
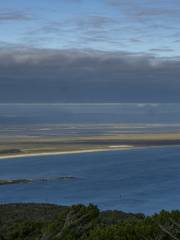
(90, 113)
(88, 119)
(139, 180)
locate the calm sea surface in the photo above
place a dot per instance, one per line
(141, 180)
(89, 113)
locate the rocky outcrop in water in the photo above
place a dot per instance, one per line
(27, 181)
(14, 181)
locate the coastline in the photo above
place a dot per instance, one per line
(107, 149)
(110, 148)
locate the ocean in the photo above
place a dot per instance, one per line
(90, 113)
(138, 180)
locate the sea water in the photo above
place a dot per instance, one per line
(137, 180)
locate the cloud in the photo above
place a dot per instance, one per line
(73, 1)
(13, 16)
(135, 40)
(147, 9)
(94, 21)
(86, 23)
(161, 50)
(75, 31)
(119, 2)
(44, 75)
(158, 12)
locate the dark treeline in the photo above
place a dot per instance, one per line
(79, 222)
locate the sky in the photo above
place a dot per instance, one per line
(90, 51)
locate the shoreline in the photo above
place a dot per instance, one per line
(110, 148)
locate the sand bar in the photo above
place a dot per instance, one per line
(111, 148)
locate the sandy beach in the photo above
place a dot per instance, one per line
(111, 148)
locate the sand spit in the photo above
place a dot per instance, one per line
(111, 148)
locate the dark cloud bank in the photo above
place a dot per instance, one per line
(34, 75)
(6, 16)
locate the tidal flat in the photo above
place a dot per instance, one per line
(63, 138)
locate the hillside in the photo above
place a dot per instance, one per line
(79, 222)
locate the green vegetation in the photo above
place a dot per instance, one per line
(79, 222)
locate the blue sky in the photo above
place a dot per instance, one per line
(90, 51)
(150, 26)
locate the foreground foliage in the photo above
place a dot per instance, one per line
(79, 222)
